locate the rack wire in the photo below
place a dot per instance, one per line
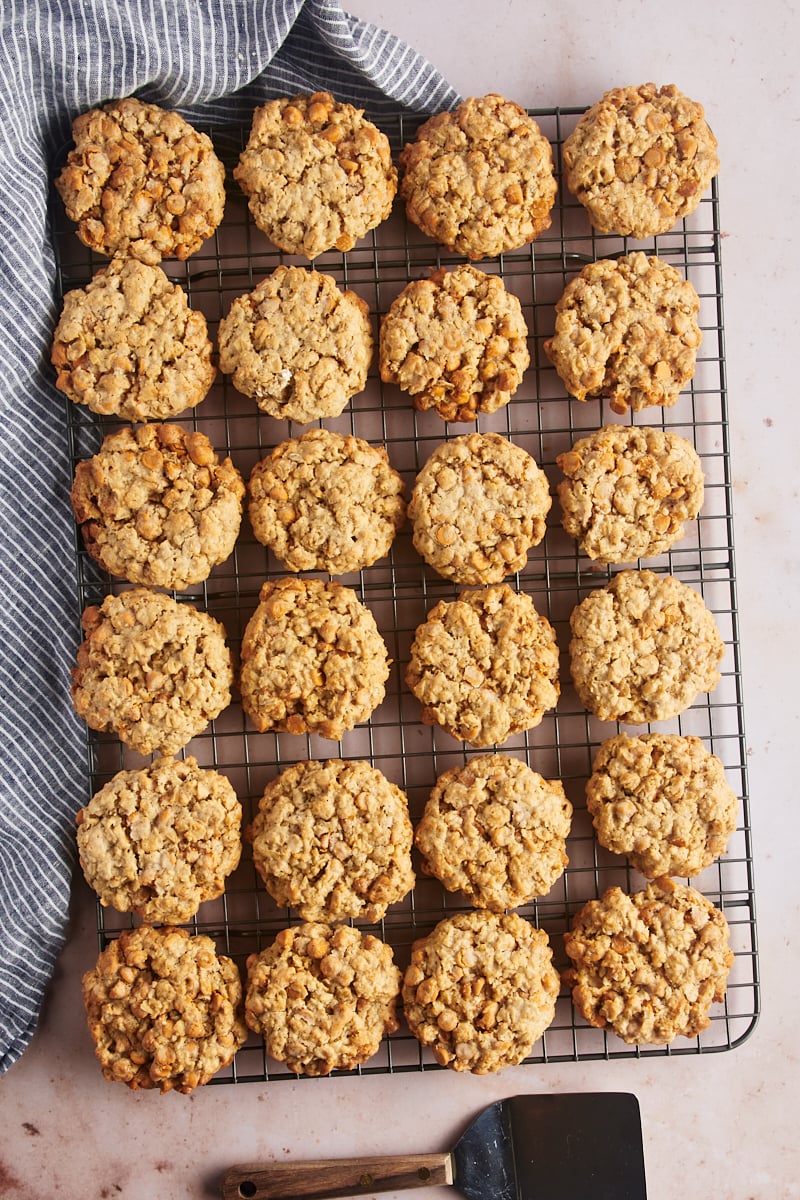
(401, 589)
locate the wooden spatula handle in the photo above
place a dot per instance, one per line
(336, 1177)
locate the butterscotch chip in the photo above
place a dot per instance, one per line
(456, 342)
(478, 505)
(322, 997)
(161, 840)
(642, 648)
(312, 659)
(164, 1009)
(151, 670)
(142, 182)
(663, 801)
(297, 344)
(484, 666)
(495, 830)
(628, 490)
(480, 990)
(627, 329)
(479, 179)
(326, 502)
(640, 159)
(318, 174)
(128, 345)
(156, 505)
(333, 840)
(648, 966)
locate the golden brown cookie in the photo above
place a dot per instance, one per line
(478, 505)
(628, 490)
(663, 801)
(479, 179)
(151, 670)
(326, 502)
(312, 659)
(484, 666)
(456, 342)
(648, 966)
(640, 159)
(164, 1009)
(161, 840)
(128, 345)
(333, 840)
(480, 990)
(642, 648)
(322, 997)
(156, 505)
(318, 174)
(297, 344)
(495, 830)
(142, 182)
(627, 329)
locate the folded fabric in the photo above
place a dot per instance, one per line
(214, 61)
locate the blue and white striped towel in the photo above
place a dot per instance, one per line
(213, 60)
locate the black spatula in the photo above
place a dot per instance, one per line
(578, 1146)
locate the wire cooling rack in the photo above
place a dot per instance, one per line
(401, 589)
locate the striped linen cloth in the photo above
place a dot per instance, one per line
(214, 60)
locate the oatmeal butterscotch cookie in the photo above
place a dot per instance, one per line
(648, 966)
(333, 840)
(640, 159)
(642, 648)
(151, 670)
(164, 1009)
(156, 505)
(160, 840)
(128, 345)
(318, 174)
(478, 505)
(480, 990)
(326, 502)
(662, 800)
(142, 182)
(479, 179)
(322, 997)
(312, 659)
(628, 490)
(495, 830)
(297, 344)
(627, 329)
(484, 666)
(456, 342)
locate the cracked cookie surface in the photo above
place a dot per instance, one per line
(627, 329)
(164, 1009)
(628, 490)
(326, 502)
(322, 997)
(161, 840)
(156, 505)
(479, 179)
(480, 990)
(297, 344)
(643, 648)
(648, 966)
(317, 173)
(151, 670)
(495, 830)
(478, 505)
(640, 159)
(456, 342)
(128, 345)
(142, 182)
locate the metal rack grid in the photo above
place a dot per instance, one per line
(401, 589)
